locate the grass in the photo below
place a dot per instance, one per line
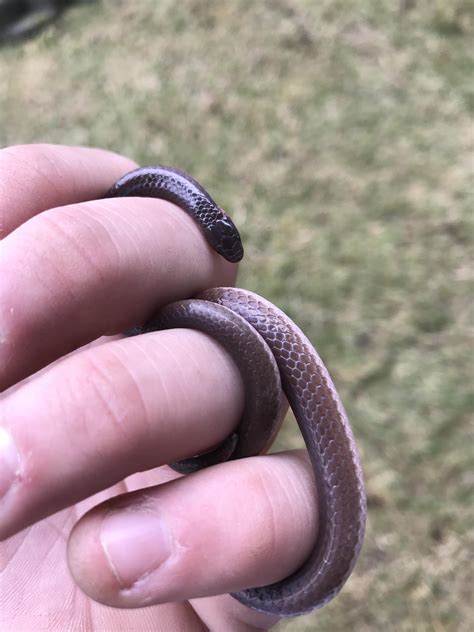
(339, 135)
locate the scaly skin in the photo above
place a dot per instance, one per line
(306, 384)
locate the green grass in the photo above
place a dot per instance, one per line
(339, 136)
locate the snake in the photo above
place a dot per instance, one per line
(277, 363)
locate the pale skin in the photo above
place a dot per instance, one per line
(98, 534)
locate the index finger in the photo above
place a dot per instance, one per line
(75, 272)
(34, 178)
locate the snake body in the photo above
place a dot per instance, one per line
(181, 189)
(227, 313)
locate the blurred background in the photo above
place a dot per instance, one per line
(337, 133)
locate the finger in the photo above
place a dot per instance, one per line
(102, 414)
(34, 178)
(240, 524)
(226, 613)
(74, 273)
(35, 573)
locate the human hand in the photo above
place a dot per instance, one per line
(89, 417)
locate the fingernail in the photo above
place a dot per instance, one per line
(135, 543)
(9, 462)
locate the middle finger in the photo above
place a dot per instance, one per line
(102, 414)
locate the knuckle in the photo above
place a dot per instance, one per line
(116, 416)
(82, 238)
(266, 527)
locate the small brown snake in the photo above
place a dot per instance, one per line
(271, 352)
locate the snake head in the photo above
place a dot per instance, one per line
(225, 239)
